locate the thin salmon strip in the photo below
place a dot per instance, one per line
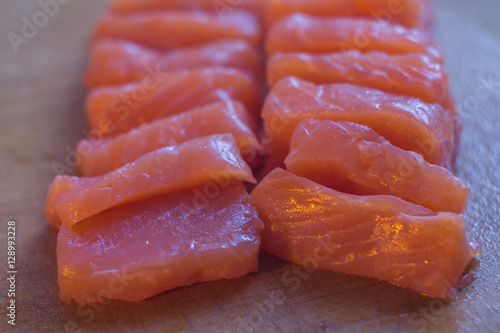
(121, 61)
(304, 33)
(144, 248)
(417, 75)
(200, 161)
(406, 122)
(167, 30)
(409, 13)
(221, 7)
(117, 109)
(99, 156)
(352, 158)
(381, 237)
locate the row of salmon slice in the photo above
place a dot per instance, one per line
(161, 201)
(361, 115)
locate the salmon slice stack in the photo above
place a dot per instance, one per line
(361, 115)
(378, 236)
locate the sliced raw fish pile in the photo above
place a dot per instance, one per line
(381, 237)
(359, 110)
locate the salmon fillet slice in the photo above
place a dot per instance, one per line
(257, 7)
(144, 248)
(305, 33)
(412, 74)
(101, 155)
(381, 237)
(409, 13)
(209, 160)
(352, 158)
(117, 109)
(406, 122)
(168, 30)
(121, 61)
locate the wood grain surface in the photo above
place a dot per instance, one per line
(41, 119)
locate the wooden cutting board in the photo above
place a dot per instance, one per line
(41, 119)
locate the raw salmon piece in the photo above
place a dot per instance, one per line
(168, 30)
(410, 13)
(417, 75)
(117, 109)
(381, 237)
(213, 160)
(144, 248)
(406, 122)
(99, 156)
(304, 33)
(121, 61)
(354, 159)
(221, 7)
